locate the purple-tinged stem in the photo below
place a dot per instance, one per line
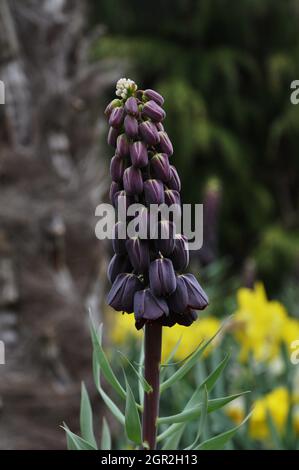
(152, 359)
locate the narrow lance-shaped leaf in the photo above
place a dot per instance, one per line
(144, 384)
(218, 442)
(193, 413)
(132, 419)
(106, 436)
(104, 364)
(96, 374)
(86, 420)
(77, 441)
(184, 369)
(203, 418)
(195, 399)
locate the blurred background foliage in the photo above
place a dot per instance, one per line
(225, 70)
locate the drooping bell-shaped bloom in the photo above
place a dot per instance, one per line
(112, 136)
(113, 104)
(131, 106)
(119, 238)
(139, 255)
(197, 298)
(117, 168)
(116, 117)
(172, 197)
(178, 300)
(154, 95)
(165, 143)
(180, 253)
(149, 133)
(162, 277)
(160, 168)
(118, 264)
(131, 126)
(174, 181)
(148, 306)
(114, 189)
(153, 192)
(165, 240)
(122, 145)
(153, 111)
(133, 182)
(122, 292)
(138, 153)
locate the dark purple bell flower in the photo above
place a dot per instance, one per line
(122, 292)
(172, 197)
(178, 301)
(117, 168)
(122, 145)
(131, 126)
(159, 126)
(180, 254)
(153, 111)
(165, 241)
(133, 182)
(119, 243)
(131, 106)
(149, 133)
(112, 136)
(122, 199)
(165, 143)
(153, 95)
(117, 117)
(197, 298)
(185, 319)
(113, 104)
(148, 306)
(118, 264)
(153, 192)
(160, 168)
(139, 156)
(138, 251)
(114, 188)
(162, 277)
(174, 181)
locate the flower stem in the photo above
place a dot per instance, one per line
(152, 359)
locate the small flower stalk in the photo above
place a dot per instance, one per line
(147, 275)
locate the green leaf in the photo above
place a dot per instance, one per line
(96, 374)
(104, 363)
(217, 403)
(132, 419)
(210, 381)
(106, 436)
(184, 369)
(145, 385)
(77, 441)
(218, 442)
(140, 370)
(172, 442)
(202, 420)
(86, 420)
(195, 412)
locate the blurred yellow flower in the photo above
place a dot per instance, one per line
(276, 403)
(261, 325)
(122, 329)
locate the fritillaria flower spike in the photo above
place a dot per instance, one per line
(141, 172)
(147, 275)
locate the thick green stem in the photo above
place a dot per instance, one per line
(152, 359)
